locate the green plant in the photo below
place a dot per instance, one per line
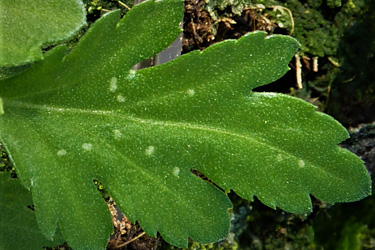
(18, 224)
(74, 118)
(27, 26)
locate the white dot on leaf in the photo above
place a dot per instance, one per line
(190, 92)
(269, 94)
(301, 163)
(120, 98)
(117, 134)
(113, 84)
(61, 152)
(150, 150)
(131, 74)
(87, 146)
(176, 171)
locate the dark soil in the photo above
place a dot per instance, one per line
(201, 31)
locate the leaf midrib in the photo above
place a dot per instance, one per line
(111, 113)
(163, 123)
(205, 128)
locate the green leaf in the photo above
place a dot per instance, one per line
(70, 119)
(25, 26)
(18, 226)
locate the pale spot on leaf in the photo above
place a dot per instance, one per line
(150, 150)
(113, 84)
(117, 134)
(190, 92)
(61, 152)
(176, 171)
(120, 98)
(269, 95)
(301, 163)
(87, 146)
(131, 74)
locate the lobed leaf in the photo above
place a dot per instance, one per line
(70, 119)
(25, 26)
(18, 223)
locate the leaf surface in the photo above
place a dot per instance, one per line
(70, 119)
(18, 223)
(27, 25)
